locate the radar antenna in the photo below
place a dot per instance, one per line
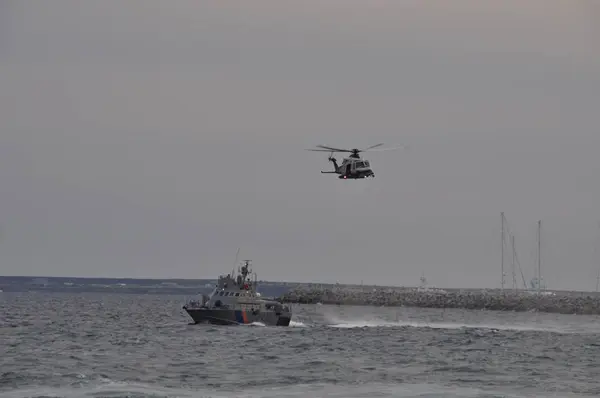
(246, 269)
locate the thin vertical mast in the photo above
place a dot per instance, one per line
(539, 255)
(514, 255)
(236, 260)
(598, 279)
(519, 264)
(598, 275)
(502, 251)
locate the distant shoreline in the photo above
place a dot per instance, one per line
(36, 281)
(564, 302)
(493, 300)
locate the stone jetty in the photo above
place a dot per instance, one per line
(495, 300)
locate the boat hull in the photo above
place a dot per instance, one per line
(238, 317)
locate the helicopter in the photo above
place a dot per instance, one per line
(353, 167)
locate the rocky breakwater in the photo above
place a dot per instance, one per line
(495, 300)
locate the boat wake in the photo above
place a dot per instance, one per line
(293, 324)
(374, 323)
(297, 324)
(257, 323)
(340, 323)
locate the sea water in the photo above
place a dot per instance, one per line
(129, 345)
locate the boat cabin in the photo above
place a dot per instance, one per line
(238, 292)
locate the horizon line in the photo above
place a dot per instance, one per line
(296, 282)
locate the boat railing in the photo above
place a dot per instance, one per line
(192, 304)
(199, 302)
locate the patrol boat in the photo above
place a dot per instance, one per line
(235, 301)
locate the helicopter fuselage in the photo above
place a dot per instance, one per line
(352, 168)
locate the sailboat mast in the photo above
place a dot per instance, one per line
(502, 251)
(598, 274)
(513, 268)
(598, 279)
(539, 255)
(519, 264)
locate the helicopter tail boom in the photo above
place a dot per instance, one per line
(335, 165)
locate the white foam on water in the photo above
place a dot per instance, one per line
(256, 324)
(447, 325)
(106, 390)
(296, 324)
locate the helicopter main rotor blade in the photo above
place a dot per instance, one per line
(371, 147)
(388, 149)
(333, 149)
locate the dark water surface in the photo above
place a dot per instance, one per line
(110, 345)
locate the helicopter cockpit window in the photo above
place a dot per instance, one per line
(359, 165)
(366, 162)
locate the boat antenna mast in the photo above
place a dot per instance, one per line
(246, 269)
(236, 261)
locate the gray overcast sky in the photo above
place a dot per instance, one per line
(154, 138)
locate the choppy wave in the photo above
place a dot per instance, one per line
(297, 324)
(93, 345)
(133, 390)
